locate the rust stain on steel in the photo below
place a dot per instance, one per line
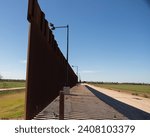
(46, 65)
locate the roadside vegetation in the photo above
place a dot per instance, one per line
(11, 83)
(139, 89)
(12, 104)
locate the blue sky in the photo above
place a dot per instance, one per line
(109, 39)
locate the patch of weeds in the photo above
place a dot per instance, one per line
(145, 96)
(136, 94)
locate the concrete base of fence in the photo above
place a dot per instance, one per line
(80, 104)
(61, 105)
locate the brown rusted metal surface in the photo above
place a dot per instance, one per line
(46, 65)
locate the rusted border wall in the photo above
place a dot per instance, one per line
(46, 65)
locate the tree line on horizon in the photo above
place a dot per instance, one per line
(101, 82)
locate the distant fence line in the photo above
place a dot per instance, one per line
(46, 65)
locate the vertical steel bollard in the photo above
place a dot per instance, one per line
(61, 105)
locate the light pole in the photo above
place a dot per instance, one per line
(77, 69)
(67, 56)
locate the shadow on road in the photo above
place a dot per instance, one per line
(129, 111)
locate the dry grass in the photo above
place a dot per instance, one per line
(12, 105)
(138, 90)
(11, 84)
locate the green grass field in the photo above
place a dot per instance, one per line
(141, 90)
(11, 84)
(12, 104)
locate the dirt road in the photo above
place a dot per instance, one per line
(131, 106)
(136, 101)
(8, 89)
